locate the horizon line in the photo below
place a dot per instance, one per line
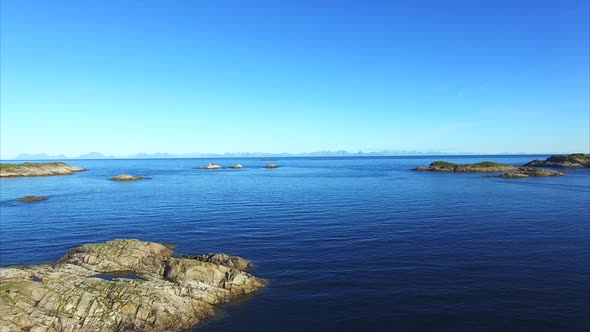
(22, 157)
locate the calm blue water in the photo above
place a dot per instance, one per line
(348, 244)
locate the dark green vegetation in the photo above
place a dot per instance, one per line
(572, 158)
(443, 164)
(575, 160)
(486, 164)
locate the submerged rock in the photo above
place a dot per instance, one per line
(38, 169)
(32, 199)
(271, 166)
(486, 166)
(120, 285)
(576, 160)
(526, 172)
(127, 177)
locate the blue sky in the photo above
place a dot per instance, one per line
(121, 77)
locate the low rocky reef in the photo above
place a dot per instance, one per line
(508, 171)
(120, 285)
(38, 169)
(28, 199)
(127, 177)
(486, 166)
(576, 160)
(526, 172)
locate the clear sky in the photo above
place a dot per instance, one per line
(121, 77)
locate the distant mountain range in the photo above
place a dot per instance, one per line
(163, 155)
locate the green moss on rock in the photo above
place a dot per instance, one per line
(575, 160)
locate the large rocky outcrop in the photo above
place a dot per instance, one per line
(84, 291)
(38, 169)
(576, 160)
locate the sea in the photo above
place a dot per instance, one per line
(347, 243)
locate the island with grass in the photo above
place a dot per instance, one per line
(575, 160)
(508, 171)
(121, 285)
(38, 169)
(485, 166)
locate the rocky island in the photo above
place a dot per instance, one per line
(525, 172)
(486, 166)
(509, 171)
(576, 160)
(120, 285)
(127, 177)
(38, 169)
(28, 199)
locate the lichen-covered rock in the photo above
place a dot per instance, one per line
(127, 177)
(576, 160)
(224, 259)
(526, 172)
(28, 199)
(37, 169)
(169, 294)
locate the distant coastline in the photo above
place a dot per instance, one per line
(318, 154)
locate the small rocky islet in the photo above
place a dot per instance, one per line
(127, 177)
(508, 171)
(210, 166)
(525, 172)
(38, 169)
(121, 285)
(29, 199)
(575, 160)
